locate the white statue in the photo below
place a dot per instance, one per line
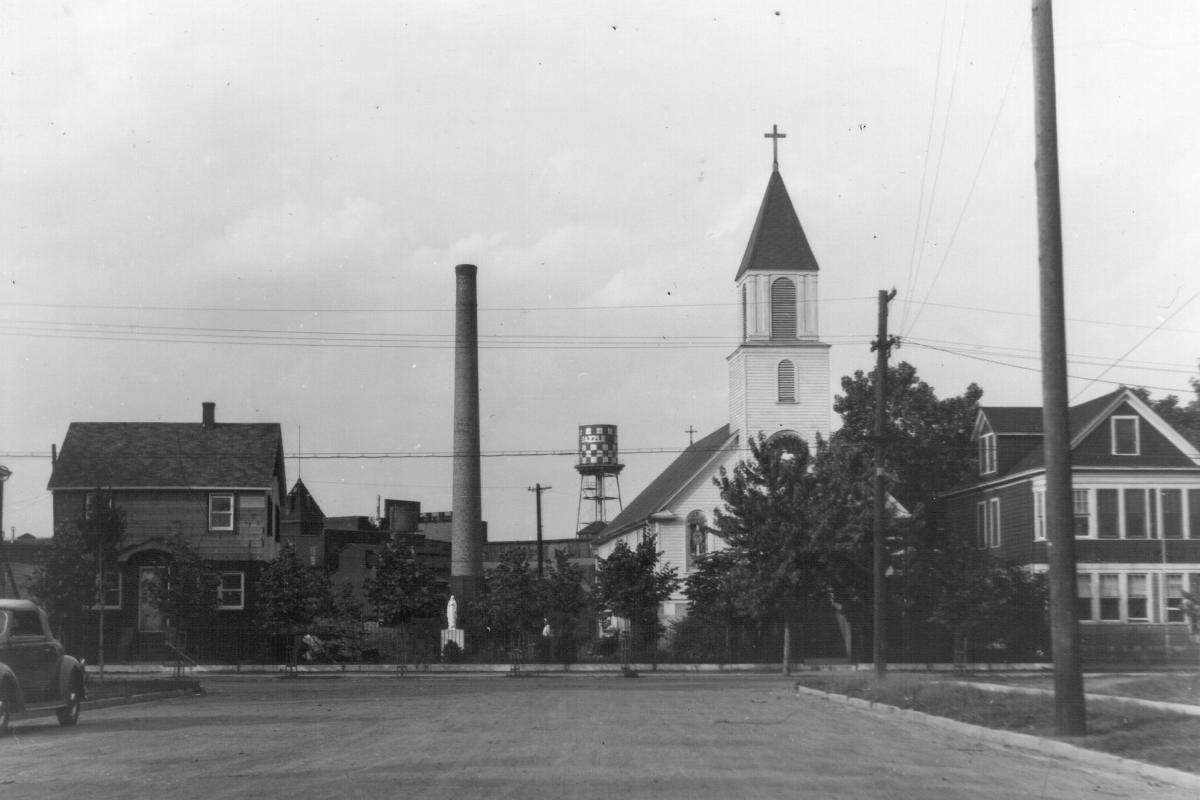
(451, 614)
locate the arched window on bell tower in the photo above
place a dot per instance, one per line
(783, 309)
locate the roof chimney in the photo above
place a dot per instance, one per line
(210, 415)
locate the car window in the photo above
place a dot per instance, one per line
(3, 622)
(25, 623)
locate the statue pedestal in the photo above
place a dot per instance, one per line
(452, 635)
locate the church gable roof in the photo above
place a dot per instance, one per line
(655, 497)
(777, 242)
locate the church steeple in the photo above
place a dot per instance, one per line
(779, 373)
(777, 243)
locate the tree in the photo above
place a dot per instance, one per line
(567, 604)
(966, 591)
(769, 526)
(927, 440)
(64, 581)
(187, 595)
(291, 595)
(402, 588)
(512, 605)
(631, 584)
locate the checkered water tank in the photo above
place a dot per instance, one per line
(598, 446)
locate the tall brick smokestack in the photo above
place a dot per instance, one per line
(466, 524)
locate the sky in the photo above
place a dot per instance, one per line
(261, 205)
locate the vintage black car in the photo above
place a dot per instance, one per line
(36, 674)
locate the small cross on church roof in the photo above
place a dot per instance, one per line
(775, 136)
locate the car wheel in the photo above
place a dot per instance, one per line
(5, 709)
(69, 714)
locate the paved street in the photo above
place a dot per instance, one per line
(725, 737)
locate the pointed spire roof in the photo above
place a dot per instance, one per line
(777, 242)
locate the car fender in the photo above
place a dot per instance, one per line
(69, 669)
(8, 680)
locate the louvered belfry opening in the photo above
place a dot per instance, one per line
(787, 382)
(783, 309)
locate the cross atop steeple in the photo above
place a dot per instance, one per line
(775, 135)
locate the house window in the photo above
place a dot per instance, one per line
(1108, 522)
(112, 589)
(994, 522)
(1083, 597)
(1125, 436)
(697, 537)
(231, 591)
(220, 512)
(1039, 515)
(1082, 515)
(1172, 513)
(787, 382)
(1136, 526)
(1173, 595)
(783, 309)
(1110, 598)
(981, 540)
(1194, 513)
(1139, 599)
(987, 453)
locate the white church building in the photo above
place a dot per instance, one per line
(778, 385)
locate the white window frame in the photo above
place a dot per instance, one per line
(1039, 515)
(1137, 434)
(1086, 579)
(109, 576)
(212, 512)
(987, 453)
(1110, 579)
(1129, 579)
(993, 522)
(223, 592)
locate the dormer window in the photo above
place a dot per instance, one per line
(987, 453)
(1126, 436)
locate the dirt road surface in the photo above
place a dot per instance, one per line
(534, 738)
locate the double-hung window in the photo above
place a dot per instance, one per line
(1126, 436)
(1173, 594)
(1082, 512)
(994, 522)
(1083, 596)
(1172, 513)
(231, 591)
(220, 512)
(1110, 598)
(1039, 515)
(987, 453)
(1138, 600)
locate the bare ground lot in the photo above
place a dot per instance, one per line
(534, 737)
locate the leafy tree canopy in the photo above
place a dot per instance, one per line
(928, 440)
(512, 603)
(291, 594)
(403, 588)
(631, 584)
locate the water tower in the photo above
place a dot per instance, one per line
(599, 470)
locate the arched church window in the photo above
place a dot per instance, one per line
(783, 309)
(697, 537)
(787, 381)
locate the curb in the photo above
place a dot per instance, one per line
(1020, 741)
(146, 697)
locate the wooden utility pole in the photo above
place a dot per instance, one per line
(538, 489)
(882, 348)
(1069, 714)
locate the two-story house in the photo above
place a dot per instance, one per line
(1136, 489)
(213, 487)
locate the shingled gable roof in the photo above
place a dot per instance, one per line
(1083, 419)
(670, 481)
(777, 241)
(114, 455)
